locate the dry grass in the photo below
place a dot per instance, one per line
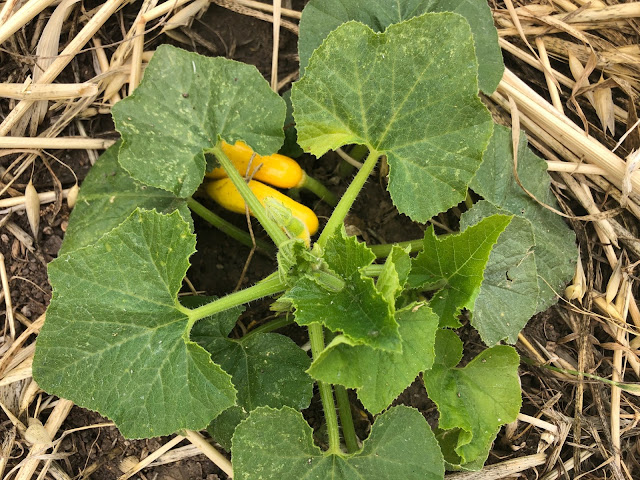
(572, 84)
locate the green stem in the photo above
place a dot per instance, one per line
(316, 338)
(274, 324)
(320, 190)
(340, 212)
(257, 209)
(268, 286)
(226, 227)
(384, 250)
(346, 420)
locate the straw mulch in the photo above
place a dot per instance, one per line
(572, 84)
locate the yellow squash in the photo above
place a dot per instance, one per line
(226, 195)
(276, 169)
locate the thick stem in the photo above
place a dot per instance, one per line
(340, 212)
(316, 338)
(226, 227)
(268, 286)
(346, 420)
(320, 190)
(257, 209)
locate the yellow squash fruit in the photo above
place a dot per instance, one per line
(226, 195)
(276, 169)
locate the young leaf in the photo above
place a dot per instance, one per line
(454, 265)
(381, 376)
(475, 400)
(320, 17)
(108, 196)
(358, 309)
(395, 273)
(409, 93)
(183, 105)
(279, 444)
(267, 369)
(552, 249)
(115, 337)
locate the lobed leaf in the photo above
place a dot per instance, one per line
(358, 309)
(380, 376)
(108, 196)
(409, 93)
(115, 338)
(184, 104)
(279, 444)
(538, 248)
(320, 17)
(473, 401)
(267, 369)
(454, 265)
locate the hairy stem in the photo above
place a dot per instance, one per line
(268, 286)
(346, 420)
(340, 212)
(316, 337)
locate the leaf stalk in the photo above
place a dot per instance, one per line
(268, 286)
(346, 202)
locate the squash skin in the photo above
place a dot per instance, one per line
(226, 195)
(276, 169)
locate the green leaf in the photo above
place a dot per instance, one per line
(320, 17)
(290, 148)
(358, 309)
(395, 273)
(115, 338)
(224, 425)
(509, 291)
(454, 265)
(381, 376)
(473, 401)
(183, 105)
(267, 369)
(278, 444)
(409, 93)
(107, 197)
(553, 247)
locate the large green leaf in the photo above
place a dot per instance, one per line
(505, 301)
(381, 376)
(358, 310)
(320, 17)
(278, 444)
(410, 93)
(473, 401)
(267, 369)
(183, 105)
(509, 292)
(115, 339)
(454, 265)
(108, 196)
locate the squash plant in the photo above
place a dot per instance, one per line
(119, 340)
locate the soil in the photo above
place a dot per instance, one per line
(219, 262)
